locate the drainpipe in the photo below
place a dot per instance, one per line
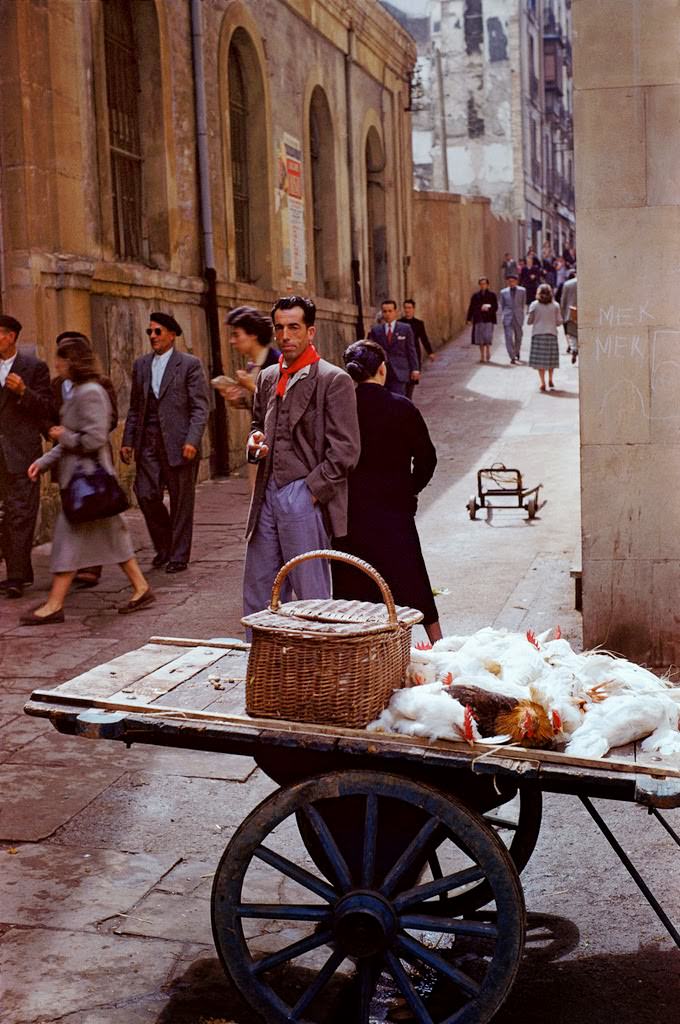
(354, 230)
(442, 120)
(219, 433)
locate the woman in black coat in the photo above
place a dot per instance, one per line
(397, 461)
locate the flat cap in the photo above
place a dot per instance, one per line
(167, 321)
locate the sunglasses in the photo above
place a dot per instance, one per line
(154, 330)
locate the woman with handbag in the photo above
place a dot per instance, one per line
(89, 529)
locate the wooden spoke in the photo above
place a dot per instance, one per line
(449, 926)
(321, 980)
(283, 911)
(291, 952)
(414, 1001)
(411, 948)
(415, 848)
(298, 874)
(440, 885)
(330, 847)
(370, 837)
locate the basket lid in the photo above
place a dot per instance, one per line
(331, 617)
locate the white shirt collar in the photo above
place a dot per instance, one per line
(6, 368)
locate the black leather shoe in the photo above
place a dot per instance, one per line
(14, 589)
(176, 567)
(4, 584)
(159, 561)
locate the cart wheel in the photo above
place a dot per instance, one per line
(532, 508)
(472, 508)
(517, 824)
(343, 933)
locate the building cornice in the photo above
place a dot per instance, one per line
(373, 27)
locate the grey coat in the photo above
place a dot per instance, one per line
(86, 419)
(325, 433)
(183, 405)
(510, 311)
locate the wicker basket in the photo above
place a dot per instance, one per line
(325, 661)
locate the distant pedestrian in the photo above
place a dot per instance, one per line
(545, 318)
(422, 340)
(82, 441)
(251, 335)
(569, 311)
(305, 440)
(62, 391)
(397, 461)
(164, 427)
(399, 344)
(25, 411)
(482, 315)
(561, 272)
(512, 308)
(530, 277)
(509, 266)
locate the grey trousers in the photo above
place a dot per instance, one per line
(171, 533)
(513, 337)
(288, 525)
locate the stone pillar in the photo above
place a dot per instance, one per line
(627, 145)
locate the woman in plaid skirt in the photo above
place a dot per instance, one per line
(545, 318)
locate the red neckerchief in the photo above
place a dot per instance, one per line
(309, 356)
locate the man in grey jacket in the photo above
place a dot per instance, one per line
(512, 307)
(164, 426)
(305, 440)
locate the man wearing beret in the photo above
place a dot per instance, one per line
(24, 415)
(164, 426)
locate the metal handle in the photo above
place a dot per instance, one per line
(336, 556)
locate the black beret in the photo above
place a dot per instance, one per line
(167, 321)
(10, 324)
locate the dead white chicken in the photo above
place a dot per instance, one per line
(622, 719)
(429, 711)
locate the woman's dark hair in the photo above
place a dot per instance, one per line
(82, 362)
(544, 294)
(363, 359)
(252, 321)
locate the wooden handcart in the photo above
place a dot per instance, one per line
(377, 857)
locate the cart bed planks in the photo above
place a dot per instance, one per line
(190, 693)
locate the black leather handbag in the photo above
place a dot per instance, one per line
(93, 495)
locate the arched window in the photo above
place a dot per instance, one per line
(324, 208)
(248, 152)
(122, 92)
(136, 139)
(376, 216)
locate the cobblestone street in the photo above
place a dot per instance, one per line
(107, 854)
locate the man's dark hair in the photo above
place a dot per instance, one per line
(291, 301)
(479, 281)
(251, 321)
(10, 323)
(412, 302)
(388, 302)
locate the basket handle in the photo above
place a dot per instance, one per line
(336, 556)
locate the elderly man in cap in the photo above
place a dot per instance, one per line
(164, 426)
(24, 415)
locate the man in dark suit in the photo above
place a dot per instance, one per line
(164, 426)
(422, 340)
(305, 440)
(24, 415)
(399, 344)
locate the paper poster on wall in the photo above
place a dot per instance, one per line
(291, 207)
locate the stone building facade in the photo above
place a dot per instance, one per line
(196, 155)
(493, 81)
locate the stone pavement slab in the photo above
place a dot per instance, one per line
(166, 916)
(35, 802)
(71, 887)
(46, 974)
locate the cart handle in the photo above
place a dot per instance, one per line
(336, 556)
